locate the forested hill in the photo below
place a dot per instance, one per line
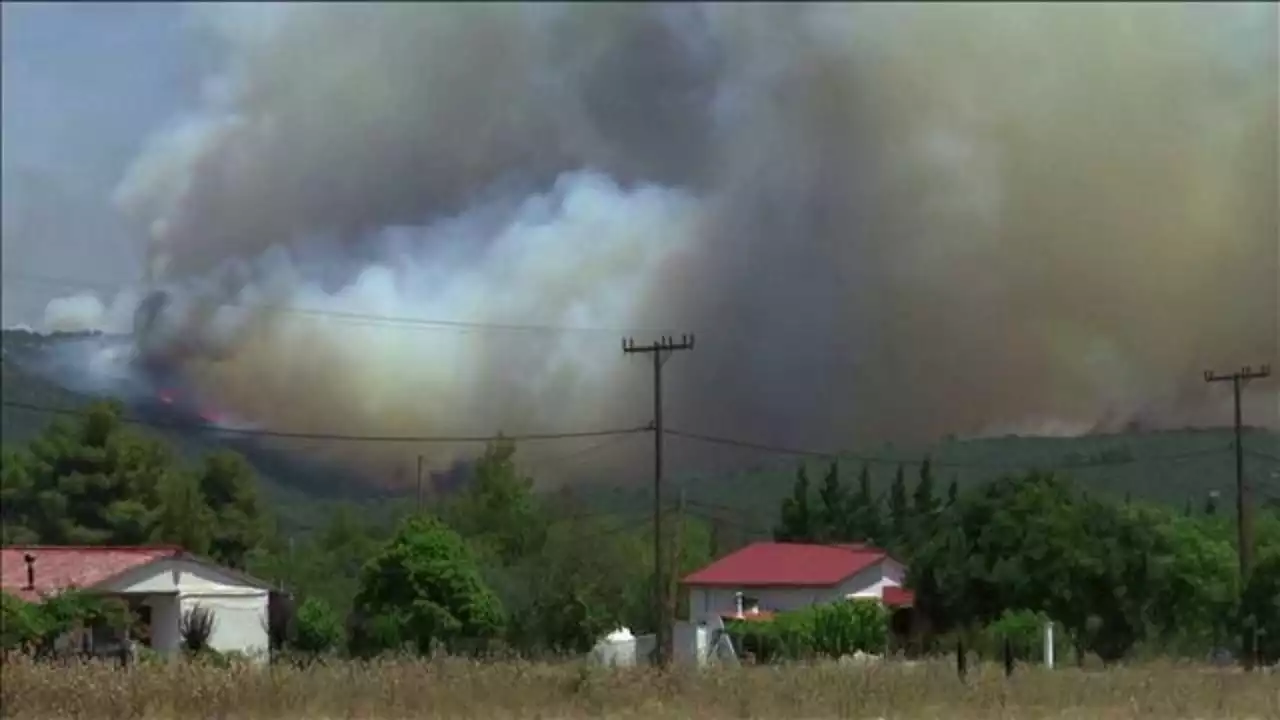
(1174, 467)
(300, 492)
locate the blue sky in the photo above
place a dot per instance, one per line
(84, 84)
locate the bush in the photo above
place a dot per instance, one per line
(318, 629)
(1262, 607)
(1023, 629)
(37, 626)
(846, 627)
(196, 627)
(21, 624)
(829, 629)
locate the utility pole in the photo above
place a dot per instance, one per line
(660, 350)
(1244, 524)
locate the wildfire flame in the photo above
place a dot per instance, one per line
(210, 415)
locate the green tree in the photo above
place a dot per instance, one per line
(864, 512)
(924, 506)
(425, 588)
(1261, 605)
(1191, 582)
(589, 578)
(797, 522)
(182, 517)
(19, 508)
(230, 491)
(899, 512)
(953, 493)
(833, 517)
(318, 629)
(498, 511)
(1017, 544)
(1112, 574)
(1117, 571)
(91, 481)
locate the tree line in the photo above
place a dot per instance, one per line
(495, 565)
(498, 565)
(1119, 576)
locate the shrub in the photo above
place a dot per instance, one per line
(317, 627)
(1023, 629)
(38, 626)
(829, 629)
(1262, 607)
(196, 627)
(852, 626)
(21, 624)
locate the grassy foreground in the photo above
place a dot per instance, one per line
(459, 689)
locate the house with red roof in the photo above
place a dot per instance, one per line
(769, 577)
(160, 584)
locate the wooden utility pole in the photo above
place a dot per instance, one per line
(660, 350)
(1237, 380)
(1244, 520)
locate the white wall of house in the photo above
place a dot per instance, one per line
(165, 617)
(706, 602)
(175, 586)
(240, 622)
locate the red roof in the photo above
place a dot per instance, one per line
(61, 567)
(768, 564)
(897, 596)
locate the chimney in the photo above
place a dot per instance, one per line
(30, 560)
(737, 599)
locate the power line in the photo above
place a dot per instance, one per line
(339, 437)
(352, 317)
(616, 435)
(872, 459)
(576, 455)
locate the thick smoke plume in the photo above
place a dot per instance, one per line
(883, 222)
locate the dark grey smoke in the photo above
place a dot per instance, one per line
(883, 221)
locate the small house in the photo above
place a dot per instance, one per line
(162, 585)
(770, 577)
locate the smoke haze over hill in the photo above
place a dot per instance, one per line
(882, 221)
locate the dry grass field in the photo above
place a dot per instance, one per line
(458, 689)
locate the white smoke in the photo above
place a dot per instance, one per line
(85, 311)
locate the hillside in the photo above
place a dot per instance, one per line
(1172, 466)
(300, 492)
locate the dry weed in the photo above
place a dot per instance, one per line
(458, 689)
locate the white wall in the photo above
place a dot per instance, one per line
(240, 622)
(165, 616)
(706, 602)
(690, 643)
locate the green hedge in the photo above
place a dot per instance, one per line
(827, 630)
(34, 627)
